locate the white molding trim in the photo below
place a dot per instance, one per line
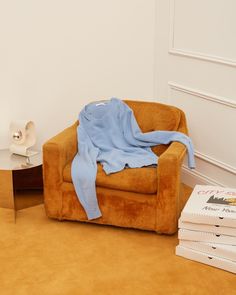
(216, 99)
(205, 95)
(201, 56)
(215, 162)
(189, 53)
(193, 177)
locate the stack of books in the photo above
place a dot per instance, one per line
(207, 227)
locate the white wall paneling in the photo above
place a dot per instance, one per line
(210, 124)
(212, 144)
(199, 29)
(197, 69)
(205, 95)
(210, 120)
(229, 122)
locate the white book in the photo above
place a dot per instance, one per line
(211, 205)
(206, 258)
(199, 236)
(217, 229)
(219, 250)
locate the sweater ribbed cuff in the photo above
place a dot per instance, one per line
(93, 214)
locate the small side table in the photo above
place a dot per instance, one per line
(10, 164)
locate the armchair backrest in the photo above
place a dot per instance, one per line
(156, 116)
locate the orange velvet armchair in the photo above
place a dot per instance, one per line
(145, 198)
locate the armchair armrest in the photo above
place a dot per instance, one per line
(169, 169)
(57, 152)
(176, 151)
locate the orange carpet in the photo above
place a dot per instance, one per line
(47, 257)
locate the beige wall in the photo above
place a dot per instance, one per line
(196, 71)
(57, 55)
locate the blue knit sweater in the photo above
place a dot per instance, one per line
(108, 133)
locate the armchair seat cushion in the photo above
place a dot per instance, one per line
(138, 180)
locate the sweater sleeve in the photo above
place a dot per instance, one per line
(84, 171)
(134, 136)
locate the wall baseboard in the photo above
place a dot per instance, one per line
(192, 178)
